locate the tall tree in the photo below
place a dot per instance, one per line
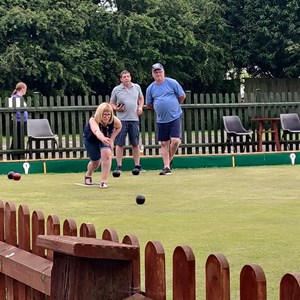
(265, 36)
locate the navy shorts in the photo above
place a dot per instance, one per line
(132, 128)
(166, 131)
(94, 149)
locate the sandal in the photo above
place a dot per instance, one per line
(88, 180)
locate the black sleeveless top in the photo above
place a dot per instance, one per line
(90, 136)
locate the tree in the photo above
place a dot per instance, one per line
(51, 46)
(265, 36)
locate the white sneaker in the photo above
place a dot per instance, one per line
(103, 185)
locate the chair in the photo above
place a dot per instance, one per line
(40, 130)
(290, 123)
(234, 128)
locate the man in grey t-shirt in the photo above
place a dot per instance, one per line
(127, 100)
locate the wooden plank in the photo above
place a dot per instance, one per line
(69, 227)
(137, 297)
(136, 263)
(88, 247)
(53, 228)
(26, 267)
(217, 277)
(80, 126)
(11, 238)
(184, 274)
(290, 287)
(81, 278)
(24, 292)
(155, 271)
(66, 127)
(253, 284)
(2, 276)
(87, 230)
(73, 126)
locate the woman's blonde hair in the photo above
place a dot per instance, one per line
(19, 86)
(104, 108)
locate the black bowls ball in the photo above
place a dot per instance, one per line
(140, 199)
(10, 175)
(135, 171)
(116, 173)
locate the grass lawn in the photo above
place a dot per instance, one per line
(250, 214)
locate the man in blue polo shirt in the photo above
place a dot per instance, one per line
(164, 95)
(127, 100)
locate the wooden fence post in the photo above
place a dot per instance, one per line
(155, 273)
(253, 285)
(290, 286)
(184, 277)
(89, 268)
(217, 277)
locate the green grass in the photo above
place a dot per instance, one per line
(251, 215)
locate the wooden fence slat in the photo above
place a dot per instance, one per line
(10, 224)
(87, 230)
(155, 273)
(131, 239)
(11, 239)
(184, 274)
(217, 277)
(53, 228)
(290, 287)
(2, 220)
(38, 228)
(25, 267)
(2, 276)
(24, 227)
(110, 235)
(253, 285)
(70, 227)
(24, 292)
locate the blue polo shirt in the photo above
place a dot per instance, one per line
(164, 98)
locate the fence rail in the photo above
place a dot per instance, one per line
(40, 259)
(202, 128)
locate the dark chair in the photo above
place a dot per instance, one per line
(234, 128)
(290, 124)
(40, 130)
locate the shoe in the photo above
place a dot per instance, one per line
(165, 171)
(119, 168)
(140, 168)
(103, 185)
(88, 180)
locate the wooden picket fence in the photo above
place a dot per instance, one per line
(202, 126)
(41, 260)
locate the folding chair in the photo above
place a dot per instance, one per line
(290, 124)
(234, 128)
(40, 130)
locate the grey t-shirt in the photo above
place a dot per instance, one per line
(129, 96)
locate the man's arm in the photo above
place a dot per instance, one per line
(182, 98)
